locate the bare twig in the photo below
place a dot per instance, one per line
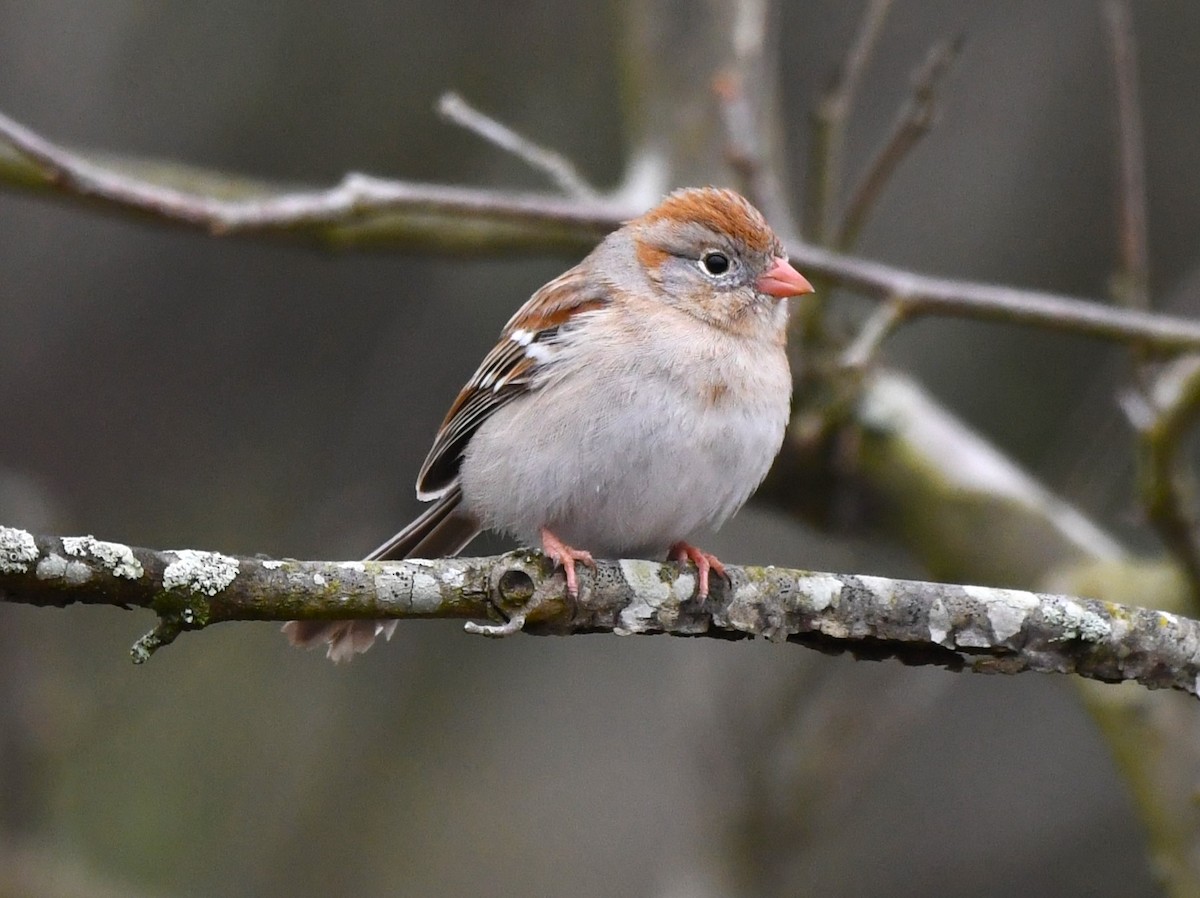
(829, 125)
(865, 346)
(914, 120)
(1132, 287)
(925, 295)
(554, 165)
(958, 627)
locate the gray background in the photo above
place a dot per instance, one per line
(165, 389)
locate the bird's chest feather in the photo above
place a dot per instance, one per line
(686, 389)
(640, 453)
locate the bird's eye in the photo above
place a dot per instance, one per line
(715, 263)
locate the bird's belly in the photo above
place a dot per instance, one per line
(622, 474)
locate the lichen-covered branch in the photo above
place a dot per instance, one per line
(958, 627)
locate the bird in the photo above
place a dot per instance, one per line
(638, 397)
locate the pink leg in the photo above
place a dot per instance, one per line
(704, 562)
(564, 555)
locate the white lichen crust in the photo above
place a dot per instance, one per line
(115, 558)
(17, 550)
(650, 594)
(1075, 621)
(1007, 609)
(55, 567)
(203, 572)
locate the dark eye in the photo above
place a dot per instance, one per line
(715, 263)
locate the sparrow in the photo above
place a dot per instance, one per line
(636, 398)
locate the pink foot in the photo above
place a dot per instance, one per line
(704, 562)
(564, 555)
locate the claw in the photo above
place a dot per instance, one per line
(704, 562)
(564, 555)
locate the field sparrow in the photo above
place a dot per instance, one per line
(634, 399)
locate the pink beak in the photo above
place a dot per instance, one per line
(782, 280)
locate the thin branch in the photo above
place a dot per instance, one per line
(366, 210)
(555, 166)
(913, 122)
(957, 627)
(866, 344)
(1133, 279)
(924, 295)
(829, 124)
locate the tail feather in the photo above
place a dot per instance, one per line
(344, 638)
(440, 531)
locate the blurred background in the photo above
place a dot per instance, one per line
(166, 389)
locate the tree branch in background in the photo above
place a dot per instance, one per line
(746, 97)
(925, 295)
(1162, 419)
(1164, 407)
(958, 627)
(916, 117)
(360, 211)
(554, 165)
(864, 348)
(368, 211)
(829, 120)
(1133, 279)
(745, 157)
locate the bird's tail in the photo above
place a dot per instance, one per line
(442, 530)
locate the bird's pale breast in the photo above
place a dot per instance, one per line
(627, 459)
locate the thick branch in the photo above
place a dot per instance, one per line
(967, 511)
(957, 627)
